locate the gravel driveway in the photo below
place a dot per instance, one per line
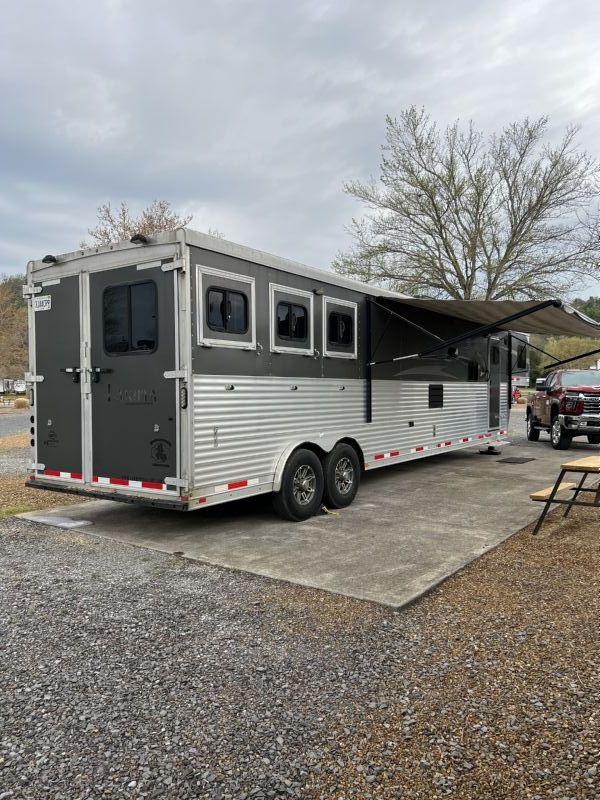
(13, 421)
(129, 673)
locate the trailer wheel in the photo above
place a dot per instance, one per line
(342, 476)
(301, 487)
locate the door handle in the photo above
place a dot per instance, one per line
(97, 371)
(75, 372)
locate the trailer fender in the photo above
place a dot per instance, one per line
(321, 445)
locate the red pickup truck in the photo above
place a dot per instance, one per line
(566, 404)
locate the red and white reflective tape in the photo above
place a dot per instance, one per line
(129, 484)
(230, 487)
(55, 473)
(439, 445)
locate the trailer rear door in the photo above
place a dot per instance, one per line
(133, 320)
(57, 398)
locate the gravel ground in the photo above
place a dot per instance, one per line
(13, 421)
(129, 673)
(15, 456)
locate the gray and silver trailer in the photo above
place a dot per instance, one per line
(186, 371)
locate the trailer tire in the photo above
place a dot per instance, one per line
(301, 490)
(533, 433)
(341, 469)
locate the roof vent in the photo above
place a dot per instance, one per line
(139, 238)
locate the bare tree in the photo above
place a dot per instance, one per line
(116, 224)
(455, 214)
(13, 327)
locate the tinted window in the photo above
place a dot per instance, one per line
(522, 357)
(495, 354)
(340, 329)
(116, 319)
(292, 321)
(143, 316)
(130, 318)
(581, 378)
(226, 310)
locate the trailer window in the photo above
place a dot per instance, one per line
(339, 329)
(130, 318)
(227, 310)
(522, 356)
(292, 321)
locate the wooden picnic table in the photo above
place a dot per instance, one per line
(581, 466)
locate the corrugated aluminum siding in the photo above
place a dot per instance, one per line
(242, 432)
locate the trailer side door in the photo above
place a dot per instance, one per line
(133, 321)
(55, 327)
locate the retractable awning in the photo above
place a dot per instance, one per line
(553, 318)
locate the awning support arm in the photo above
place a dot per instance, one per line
(535, 347)
(483, 329)
(573, 358)
(408, 321)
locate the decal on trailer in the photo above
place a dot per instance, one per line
(42, 303)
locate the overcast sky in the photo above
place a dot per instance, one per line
(252, 114)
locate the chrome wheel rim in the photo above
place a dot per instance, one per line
(556, 431)
(304, 484)
(344, 475)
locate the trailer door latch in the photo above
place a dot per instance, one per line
(178, 482)
(175, 373)
(177, 263)
(28, 291)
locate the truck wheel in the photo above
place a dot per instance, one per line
(301, 487)
(341, 468)
(593, 438)
(559, 437)
(533, 433)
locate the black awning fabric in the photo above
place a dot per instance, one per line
(555, 320)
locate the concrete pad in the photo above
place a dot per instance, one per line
(411, 526)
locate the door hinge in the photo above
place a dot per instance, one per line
(29, 378)
(180, 483)
(37, 467)
(175, 373)
(28, 291)
(177, 263)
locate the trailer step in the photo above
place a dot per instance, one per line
(544, 494)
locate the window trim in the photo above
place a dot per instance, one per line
(229, 339)
(137, 351)
(273, 302)
(226, 291)
(352, 349)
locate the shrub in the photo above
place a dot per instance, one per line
(21, 402)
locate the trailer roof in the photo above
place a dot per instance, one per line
(218, 245)
(559, 319)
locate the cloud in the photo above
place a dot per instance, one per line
(251, 115)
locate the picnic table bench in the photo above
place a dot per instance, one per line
(581, 466)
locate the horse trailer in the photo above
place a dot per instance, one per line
(184, 371)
